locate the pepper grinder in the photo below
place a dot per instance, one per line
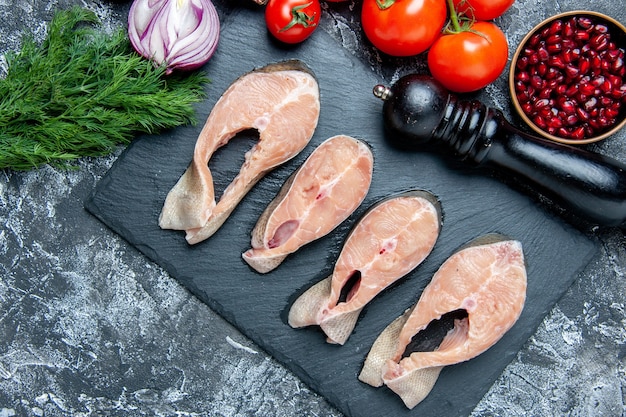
(420, 113)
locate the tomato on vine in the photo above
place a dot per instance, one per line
(403, 27)
(468, 56)
(292, 21)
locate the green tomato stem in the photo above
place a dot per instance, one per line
(300, 17)
(384, 4)
(454, 18)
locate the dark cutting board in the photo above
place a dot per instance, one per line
(130, 196)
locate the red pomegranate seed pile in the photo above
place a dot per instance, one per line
(569, 78)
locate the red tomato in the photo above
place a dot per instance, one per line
(403, 27)
(482, 9)
(468, 61)
(292, 21)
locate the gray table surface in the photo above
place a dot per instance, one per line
(89, 327)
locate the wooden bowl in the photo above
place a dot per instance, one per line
(531, 83)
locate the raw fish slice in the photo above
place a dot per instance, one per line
(487, 280)
(321, 194)
(281, 101)
(391, 239)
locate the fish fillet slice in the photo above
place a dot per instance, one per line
(391, 239)
(321, 194)
(281, 101)
(487, 279)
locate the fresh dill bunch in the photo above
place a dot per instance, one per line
(82, 92)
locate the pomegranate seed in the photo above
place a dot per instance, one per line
(522, 76)
(585, 22)
(554, 48)
(553, 84)
(522, 63)
(586, 89)
(540, 122)
(596, 63)
(613, 54)
(568, 28)
(522, 97)
(584, 65)
(599, 42)
(582, 114)
(563, 132)
(542, 68)
(527, 108)
(556, 27)
(543, 54)
(552, 73)
(571, 91)
(606, 101)
(615, 80)
(541, 103)
(545, 112)
(534, 40)
(558, 61)
(578, 133)
(604, 122)
(533, 59)
(553, 38)
(568, 43)
(618, 64)
(600, 28)
(619, 93)
(569, 107)
(597, 81)
(611, 112)
(571, 119)
(537, 82)
(581, 35)
(591, 104)
(554, 122)
(546, 92)
(572, 71)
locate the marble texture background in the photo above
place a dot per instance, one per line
(89, 327)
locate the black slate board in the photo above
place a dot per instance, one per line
(129, 199)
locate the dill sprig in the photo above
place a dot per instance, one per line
(82, 92)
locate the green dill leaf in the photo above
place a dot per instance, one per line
(82, 92)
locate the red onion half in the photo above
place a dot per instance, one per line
(180, 34)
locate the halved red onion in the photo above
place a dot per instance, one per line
(180, 34)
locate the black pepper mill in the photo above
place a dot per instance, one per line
(419, 111)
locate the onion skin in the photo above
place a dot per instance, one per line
(180, 34)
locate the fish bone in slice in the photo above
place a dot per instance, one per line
(319, 196)
(280, 101)
(391, 239)
(485, 280)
